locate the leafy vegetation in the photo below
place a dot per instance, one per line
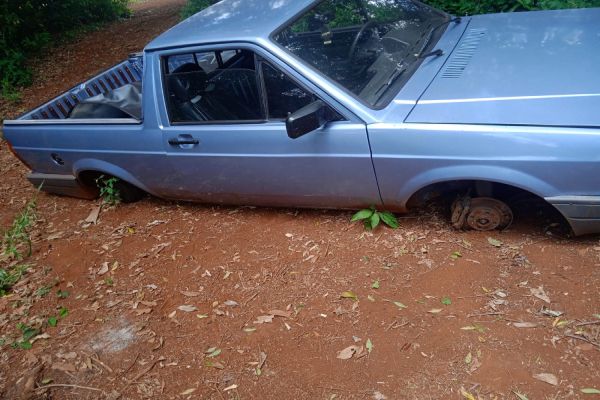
(372, 218)
(29, 26)
(9, 277)
(471, 7)
(16, 245)
(18, 235)
(27, 333)
(109, 193)
(346, 12)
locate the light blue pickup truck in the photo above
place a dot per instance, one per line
(339, 104)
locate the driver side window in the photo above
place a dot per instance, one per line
(212, 86)
(224, 86)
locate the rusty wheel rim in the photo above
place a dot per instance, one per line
(487, 214)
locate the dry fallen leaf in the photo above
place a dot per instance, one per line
(540, 294)
(590, 391)
(65, 367)
(228, 388)
(214, 364)
(347, 353)
(67, 356)
(548, 378)
(187, 308)
(475, 364)
(495, 242)
(186, 392)
(435, 311)
(92, 218)
(525, 324)
(190, 294)
(261, 319)
(38, 337)
(262, 358)
(551, 313)
(466, 394)
(103, 269)
(280, 313)
(349, 295)
(231, 303)
(56, 235)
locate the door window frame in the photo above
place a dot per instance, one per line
(260, 55)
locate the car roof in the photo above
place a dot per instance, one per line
(231, 20)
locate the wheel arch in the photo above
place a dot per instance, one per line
(89, 169)
(474, 173)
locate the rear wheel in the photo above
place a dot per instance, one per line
(128, 193)
(481, 214)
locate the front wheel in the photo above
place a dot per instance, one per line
(481, 214)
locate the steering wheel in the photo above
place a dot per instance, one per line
(366, 25)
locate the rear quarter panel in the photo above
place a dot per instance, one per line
(128, 151)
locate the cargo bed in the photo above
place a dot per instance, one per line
(125, 73)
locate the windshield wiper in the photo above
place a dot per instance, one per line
(437, 53)
(456, 20)
(395, 75)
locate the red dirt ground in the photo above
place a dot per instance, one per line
(125, 337)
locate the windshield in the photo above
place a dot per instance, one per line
(366, 46)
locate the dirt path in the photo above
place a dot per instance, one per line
(178, 301)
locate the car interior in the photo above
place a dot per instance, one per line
(205, 87)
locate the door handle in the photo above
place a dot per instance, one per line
(179, 142)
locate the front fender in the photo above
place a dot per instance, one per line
(487, 173)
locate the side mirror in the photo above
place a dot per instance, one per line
(308, 119)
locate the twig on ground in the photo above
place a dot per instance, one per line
(95, 358)
(588, 323)
(583, 339)
(484, 314)
(144, 372)
(65, 385)
(250, 299)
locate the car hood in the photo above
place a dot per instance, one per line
(532, 68)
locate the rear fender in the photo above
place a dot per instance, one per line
(88, 164)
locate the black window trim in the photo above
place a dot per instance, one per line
(259, 52)
(164, 67)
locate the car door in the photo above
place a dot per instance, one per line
(225, 136)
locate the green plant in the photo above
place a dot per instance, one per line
(29, 26)
(9, 277)
(43, 291)
(109, 192)
(63, 312)
(471, 7)
(27, 333)
(52, 321)
(18, 233)
(372, 218)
